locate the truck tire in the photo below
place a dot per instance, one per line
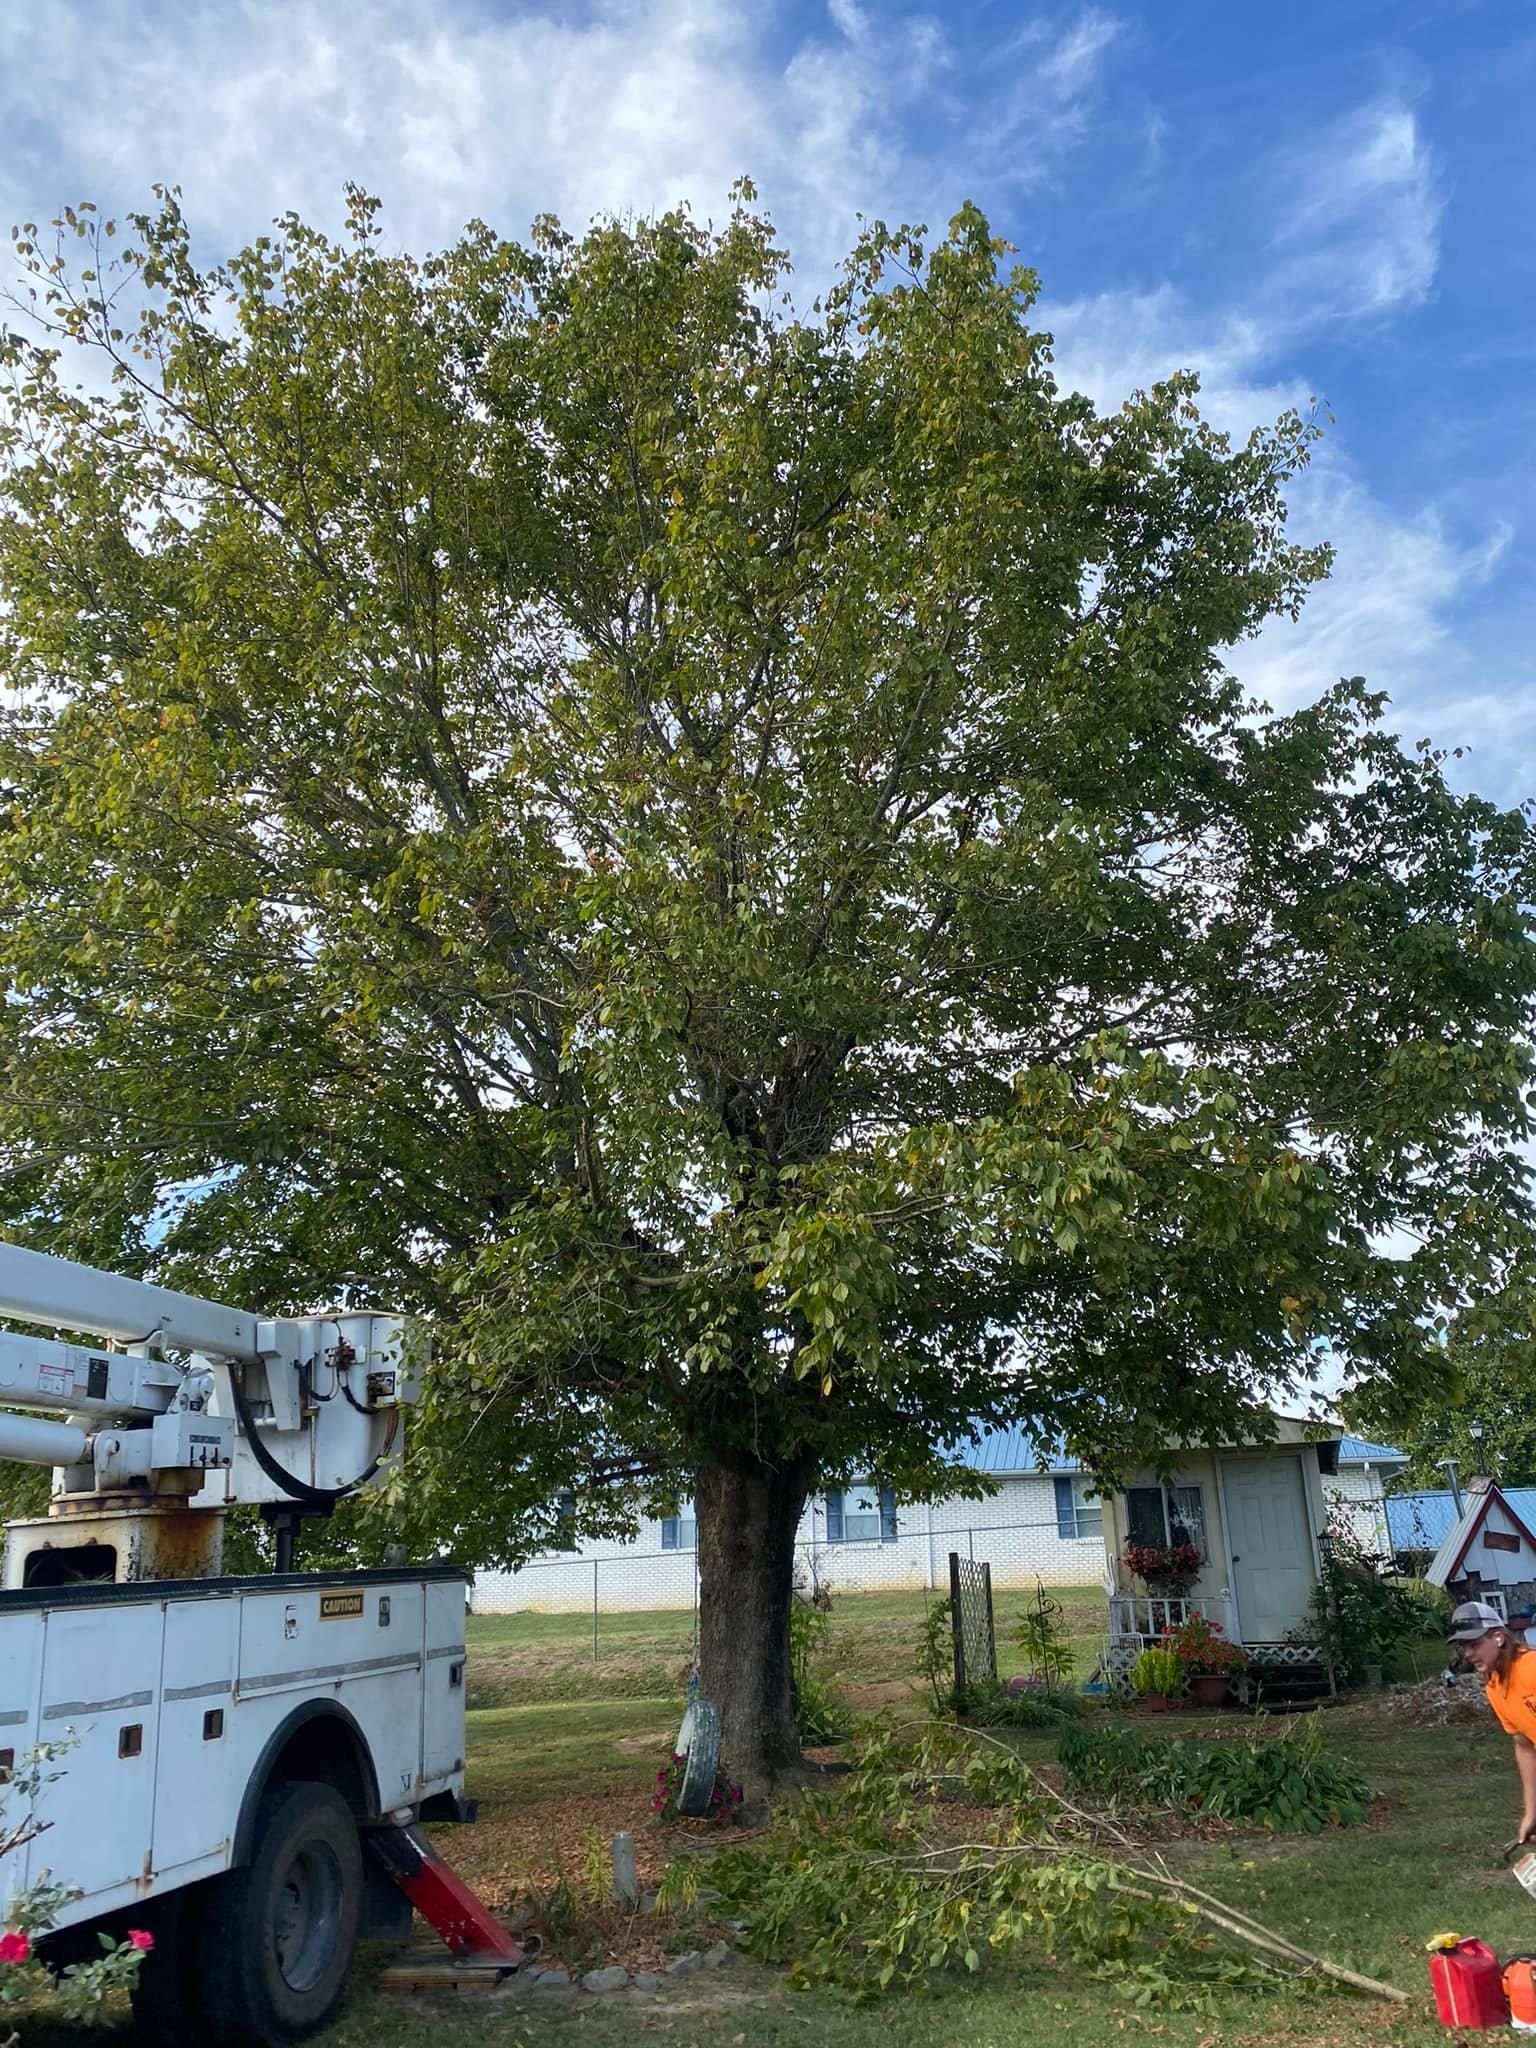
(278, 1934)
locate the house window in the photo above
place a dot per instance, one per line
(679, 1531)
(1077, 1517)
(862, 1514)
(563, 1535)
(1162, 1515)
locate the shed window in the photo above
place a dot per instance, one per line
(680, 1531)
(1163, 1515)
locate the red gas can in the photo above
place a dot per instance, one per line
(1469, 1987)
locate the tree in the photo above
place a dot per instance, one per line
(716, 854)
(1485, 1415)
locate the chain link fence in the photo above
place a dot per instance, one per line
(632, 1581)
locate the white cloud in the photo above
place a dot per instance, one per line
(1071, 70)
(1047, 84)
(1391, 609)
(1118, 342)
(1359, 211)
(849, 19)
(452, 110)
(1385, 611)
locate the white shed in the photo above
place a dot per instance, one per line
(1488, 1553)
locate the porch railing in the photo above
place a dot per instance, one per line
(1142, 1617)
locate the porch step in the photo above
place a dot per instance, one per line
(1287, 1684)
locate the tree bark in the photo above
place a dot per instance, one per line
(746, 1515)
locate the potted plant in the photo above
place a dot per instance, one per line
(1168, 1569)
(1156, 1676)
(1205, 1657)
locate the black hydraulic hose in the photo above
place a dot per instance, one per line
(295, 1488)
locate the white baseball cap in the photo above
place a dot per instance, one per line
(1473, 1619)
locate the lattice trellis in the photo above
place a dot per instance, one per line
(1122, 1652)
(970, 1614)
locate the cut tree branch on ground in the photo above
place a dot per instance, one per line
(1148, 1877)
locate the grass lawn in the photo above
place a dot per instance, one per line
(1367, 1897)
(544, 1771)
(526, 1659)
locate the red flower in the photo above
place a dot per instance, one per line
(137, 1938)
(14, 1948)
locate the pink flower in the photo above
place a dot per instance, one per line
(137, 1938)
(14, 1948)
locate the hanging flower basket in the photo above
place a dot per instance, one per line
(1168, 1569)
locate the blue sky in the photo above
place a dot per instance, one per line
(1333, 199)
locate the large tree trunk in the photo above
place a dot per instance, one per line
(746, 1514)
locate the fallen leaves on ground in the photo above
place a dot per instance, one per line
(515, 1858)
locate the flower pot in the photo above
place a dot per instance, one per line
(1209, 1688)
(1156, 1702)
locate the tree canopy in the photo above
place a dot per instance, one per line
(719, 853)
(1484, 1417)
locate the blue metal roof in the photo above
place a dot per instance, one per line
(1419, 1521)
(1015, 1450)
(1358, 1450)
(1422, 1521)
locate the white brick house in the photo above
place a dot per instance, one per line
(1042, 1521)
(1357, 1490)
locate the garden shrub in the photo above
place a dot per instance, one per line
(1157, 1671)
(1289, 1782)
(1042, 1635)
(935, 1658)
(1106, 1762)
(992, 1704)
(1361, 1614)
(823, 1716)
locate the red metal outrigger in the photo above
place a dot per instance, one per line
(466, 1924)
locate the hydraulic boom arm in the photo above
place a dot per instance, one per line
(204, 1399)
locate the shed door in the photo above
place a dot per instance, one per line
(1273, 1571)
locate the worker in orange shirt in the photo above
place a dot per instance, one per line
(1508, 1671)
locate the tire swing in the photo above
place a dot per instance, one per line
(698, 1743)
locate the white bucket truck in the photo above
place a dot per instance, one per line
(246, 1757)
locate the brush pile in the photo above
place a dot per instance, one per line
(942, 1850)
(1434, 1704)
